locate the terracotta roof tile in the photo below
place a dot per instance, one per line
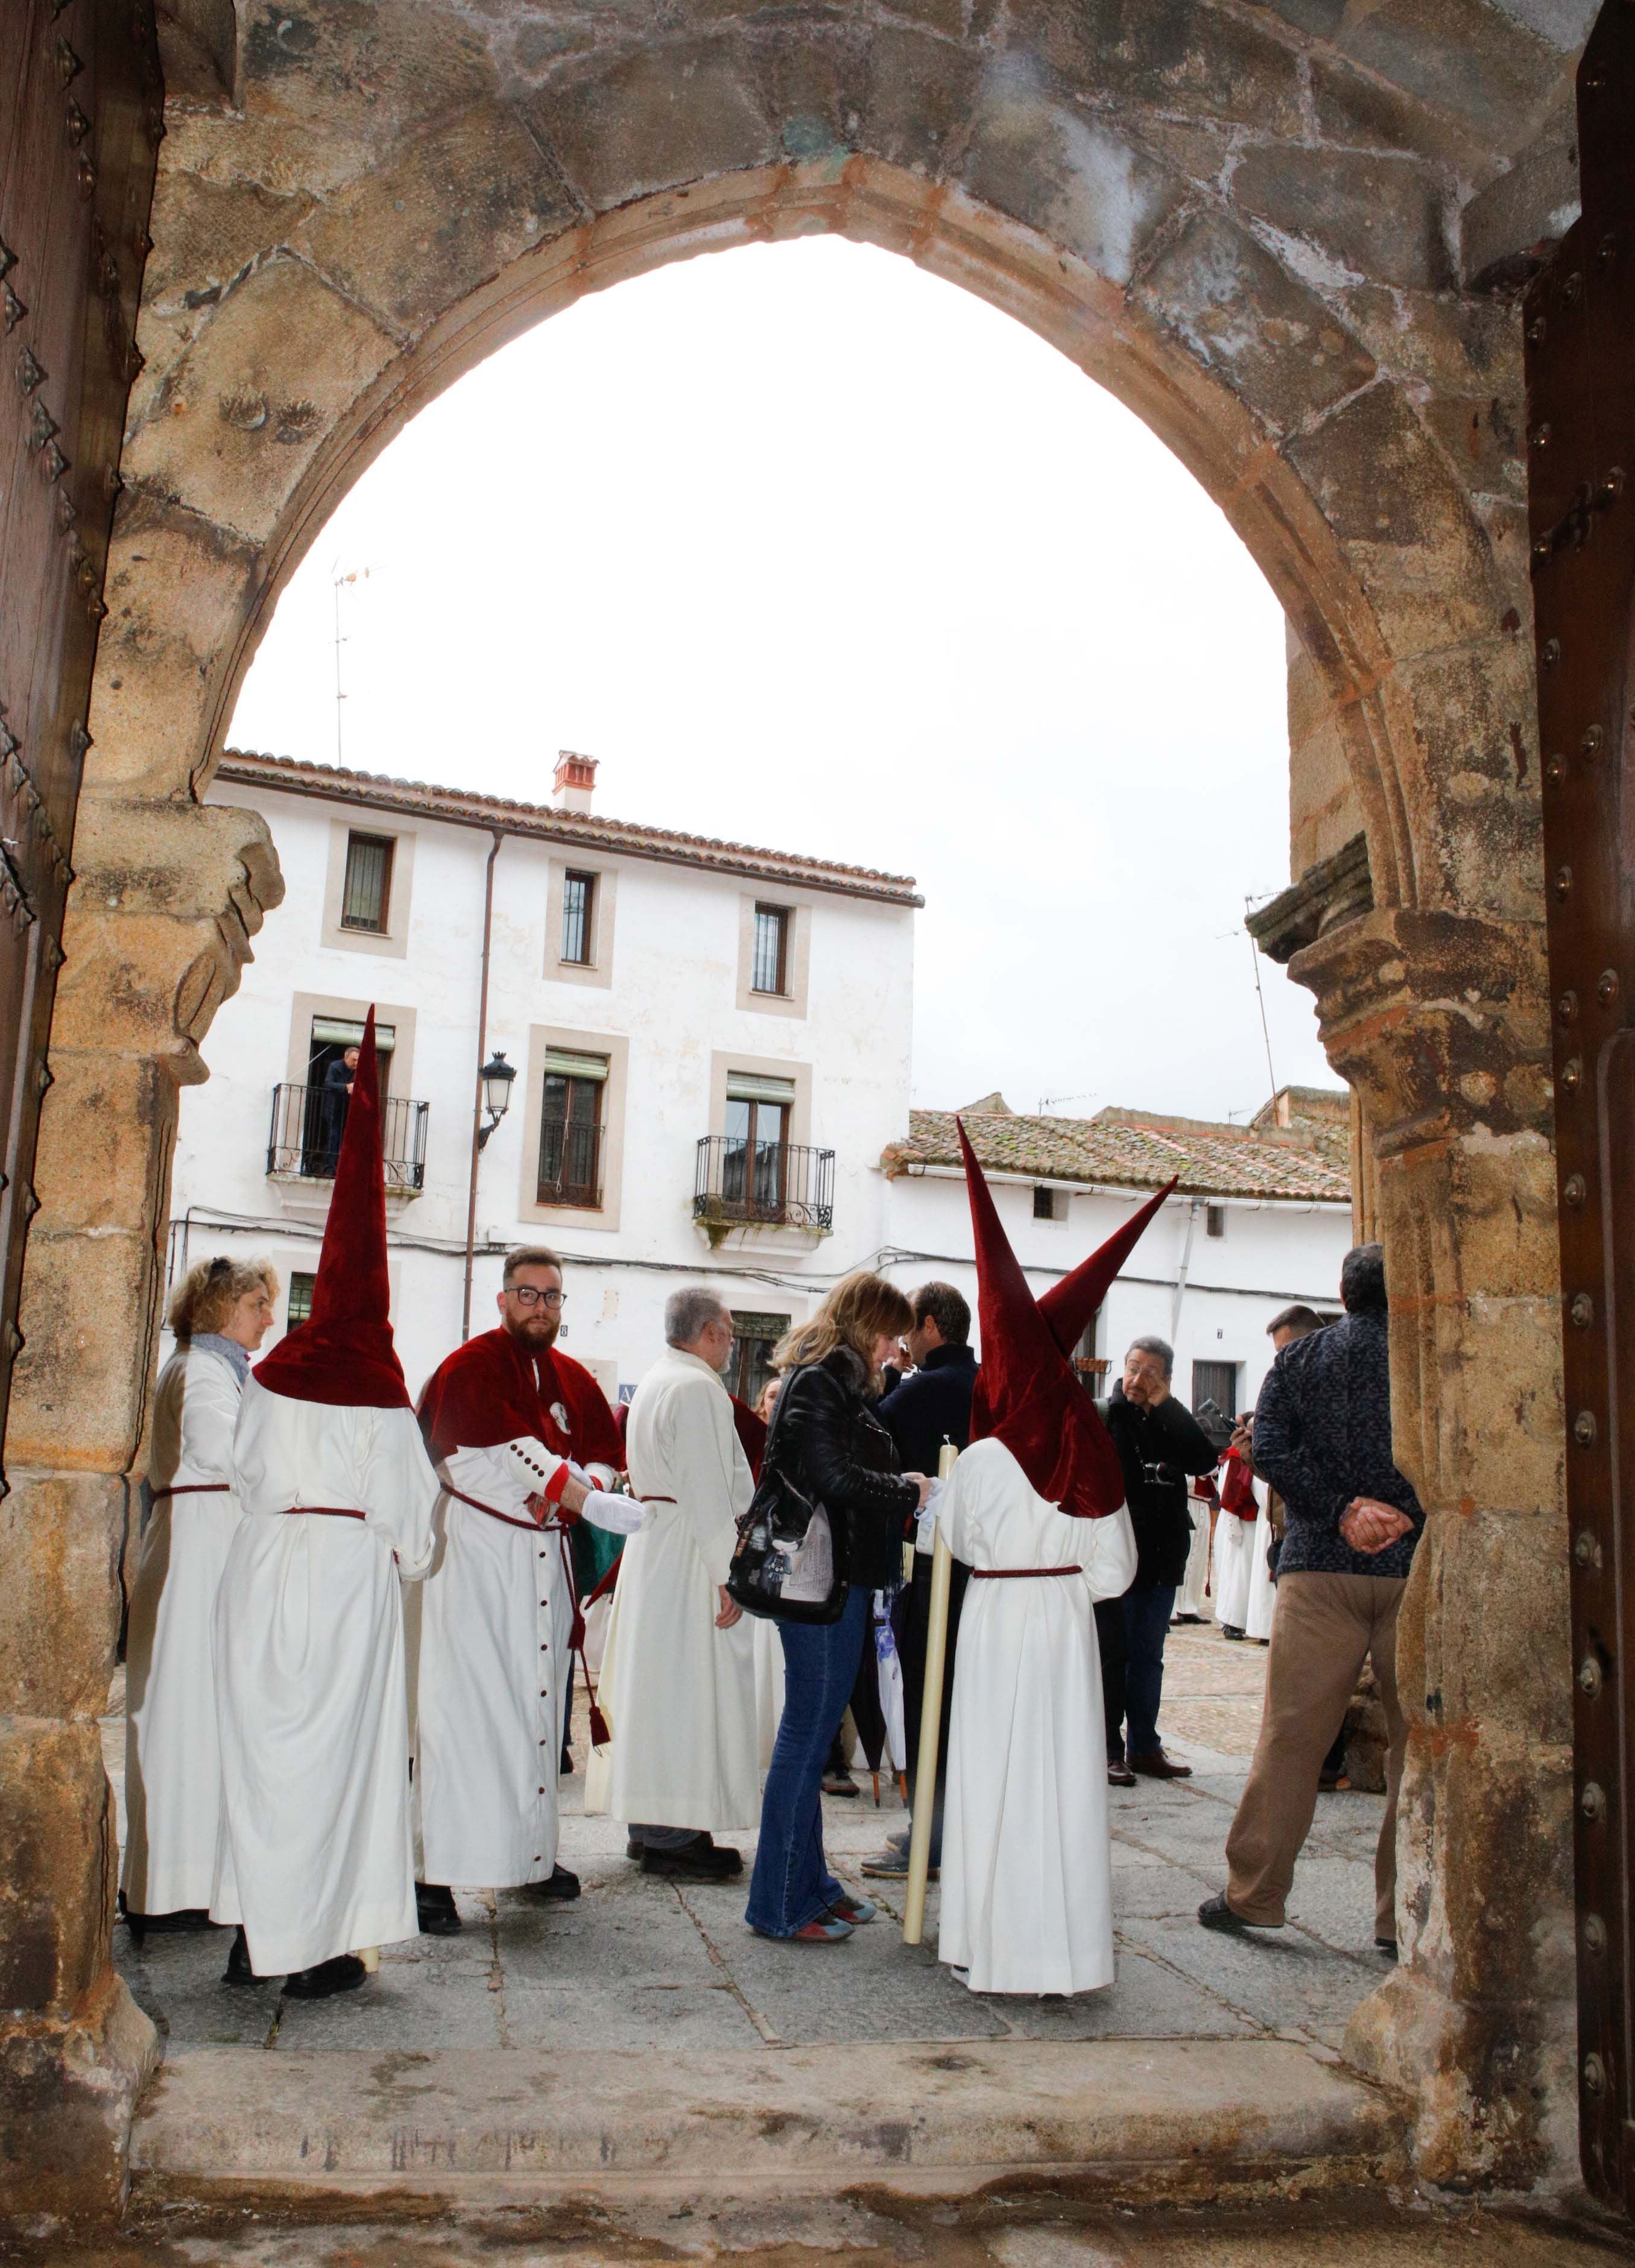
(1135, 1150)
(580, 830)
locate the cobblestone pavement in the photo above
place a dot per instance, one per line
(637, 1962)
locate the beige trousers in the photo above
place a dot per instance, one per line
(1322, 1629)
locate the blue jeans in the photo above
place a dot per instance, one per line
(791, 1884)
(1146, 1625)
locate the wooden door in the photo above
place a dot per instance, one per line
(1579, 324)
(84, 112)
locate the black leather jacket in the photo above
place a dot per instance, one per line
(828, 1440)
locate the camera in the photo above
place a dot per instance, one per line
(1159, 1475)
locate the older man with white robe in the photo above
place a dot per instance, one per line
(678, 1678)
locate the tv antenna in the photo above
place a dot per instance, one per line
(1084, 1095)
(339, 581)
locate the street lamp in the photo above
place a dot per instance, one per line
(497, 1075)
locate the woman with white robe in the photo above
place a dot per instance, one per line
(1027, 1870)
(222, 1311)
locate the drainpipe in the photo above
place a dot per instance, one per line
(1180, 1280)
(476, 1103)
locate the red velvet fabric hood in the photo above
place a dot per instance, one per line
(1028, 1395)
(1069, 1305)
(343, 1355)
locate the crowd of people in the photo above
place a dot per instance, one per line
(353, 1623)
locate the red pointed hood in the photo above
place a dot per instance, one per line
(1068, 1306)
(342, 1354)
(1027, 1395)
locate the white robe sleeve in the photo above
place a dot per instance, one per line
(209, 1411)
(1108, 1553)
(397, 1484)
(505, 1476)
(701, 1449)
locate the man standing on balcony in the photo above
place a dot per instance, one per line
(679, 1674)
(525, 1443)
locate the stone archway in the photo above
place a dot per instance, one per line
(1192, 222)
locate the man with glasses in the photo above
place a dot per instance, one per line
(524, 1444)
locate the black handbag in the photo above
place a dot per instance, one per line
(790, 1562)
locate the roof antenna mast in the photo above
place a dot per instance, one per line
(1265, 1031)
(357, 574)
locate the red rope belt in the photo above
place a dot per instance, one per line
(1017, 1574)
(192, 1488)
(325, 1511)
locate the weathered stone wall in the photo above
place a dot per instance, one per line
(1247, 222)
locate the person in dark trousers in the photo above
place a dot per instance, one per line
(1323, 1437)
(932, 1405)
(1160, 1444)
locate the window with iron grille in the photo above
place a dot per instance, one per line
(571, 1128)
(1214, 1220)
(300, 1305)
(1050, 1205)
(366, 897)
(769, 966)
(1216, 1382)
(578, 905)
(754, 1337)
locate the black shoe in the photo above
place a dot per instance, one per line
(564, 1763)
(238, 1971)
(436, 1911)
(1215, 1913)
(633, 1848)
(703, 1862)
(183, 1922)
(343, 1973)
(558, 1884)
(1386, 1946)
(1230, 1629)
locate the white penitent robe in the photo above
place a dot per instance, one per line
(173, 1763)
(316, 1855)
(496, 1620)
(680, 1694)
(1244, 1590)
(1026, 1872)
(1193, 1596)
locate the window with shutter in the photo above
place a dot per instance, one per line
(579, 905)
(366, 897)
(768, 969)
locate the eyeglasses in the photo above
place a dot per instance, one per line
(526, 1296)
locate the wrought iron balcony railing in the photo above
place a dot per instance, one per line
(773, 1182)
(569, 1163)
(308, 1121)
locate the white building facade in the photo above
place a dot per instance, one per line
(710, 1047)
(1261, 1219)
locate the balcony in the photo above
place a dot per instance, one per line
(763, 1184)
(307, 1122)
(569, 1163)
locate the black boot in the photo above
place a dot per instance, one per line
(238, 1971)
(436, 1911)
(343, 1973)
(559, 1884)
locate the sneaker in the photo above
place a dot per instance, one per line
(840, 1783)
(856, 1911)
(343, 1974)
(559, 1883)
(826, 1930)
(435, 1911)
(890, 1866)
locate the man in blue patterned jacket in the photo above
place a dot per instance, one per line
(1322, 1438)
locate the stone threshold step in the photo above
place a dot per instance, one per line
(1152, 2115)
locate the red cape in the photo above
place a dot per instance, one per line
(492, 1390)
(752, 1432)
(1237, 1487)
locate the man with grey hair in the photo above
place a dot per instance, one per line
(1160, 1444)
(678, 1676)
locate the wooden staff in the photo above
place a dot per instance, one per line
(930, 1723)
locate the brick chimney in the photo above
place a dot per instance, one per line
(575, 783)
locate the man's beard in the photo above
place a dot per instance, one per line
(537, 1332)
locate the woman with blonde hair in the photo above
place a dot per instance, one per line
(221, 1312)
(827, 1442)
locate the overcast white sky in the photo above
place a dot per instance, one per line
(815, 551)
